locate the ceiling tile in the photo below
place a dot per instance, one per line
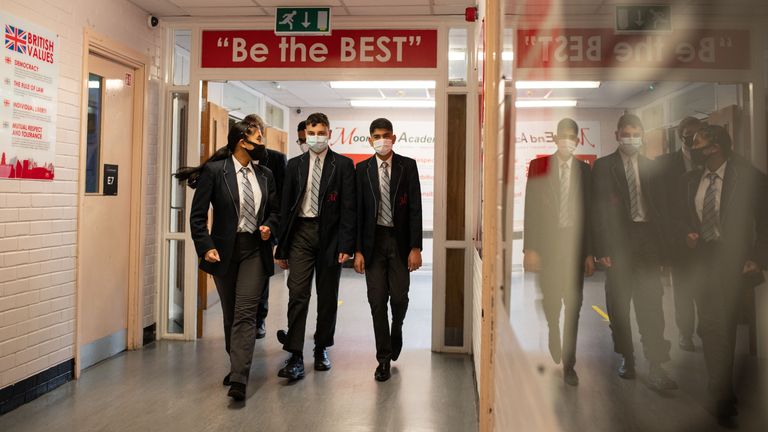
(449, 9)
(389, 3)
(208, 3)
(338, 11)
(387, 11)
(160, 8)
(284, 3)
(226, 11)
(465, 3)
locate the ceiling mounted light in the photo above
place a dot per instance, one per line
(391, 103)
(545, 103)
(382, 84)
(557, 84)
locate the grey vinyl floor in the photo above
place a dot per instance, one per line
(605, 402)
(176, 386)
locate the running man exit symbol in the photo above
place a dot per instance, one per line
(303, 21)
(643, 18)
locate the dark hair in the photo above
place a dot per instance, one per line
(302, 126)
(237, 132)
(255, 121)
(629, 120)
(318, 118)
(567, 124)
(687, 123)
(381, 123)
(715, 134)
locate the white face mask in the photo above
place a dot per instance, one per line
(566, 147)
(630, 145)
(304, 147)
(317, 143)
(382, 146)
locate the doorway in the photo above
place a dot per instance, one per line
(109, 221)
(350, 106)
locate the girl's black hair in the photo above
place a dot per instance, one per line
(240, 130)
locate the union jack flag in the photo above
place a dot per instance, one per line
(15, 39)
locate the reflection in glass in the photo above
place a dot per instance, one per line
(176, 286)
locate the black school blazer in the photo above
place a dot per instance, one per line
(217, 187)
(405, 197)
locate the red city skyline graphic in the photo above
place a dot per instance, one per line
(25, 169)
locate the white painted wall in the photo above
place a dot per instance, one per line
(38, 225)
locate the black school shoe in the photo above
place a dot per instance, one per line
(237, 391)
(322, 362)
(293, 369)
(383, 372)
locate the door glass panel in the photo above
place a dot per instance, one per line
(457, 166)
(176, 286)
(182, 42)
(179, 104)
(457, 57)
(93, 136)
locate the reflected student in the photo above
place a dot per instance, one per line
(389, 238)
(628, 240)
(237, 251)
(317, 235)
(556, 239)
(673, 167)
(725, 222)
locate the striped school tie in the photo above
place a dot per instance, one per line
(248, 211)
(709, 214)
(564, 172)
(385, 211)
(634, 204)
(316, 174)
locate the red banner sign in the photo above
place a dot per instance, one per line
(342, 49)
(600, 48)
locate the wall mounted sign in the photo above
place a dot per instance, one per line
(303, 21)
(110, 180)
(342, 49)
(29, 86)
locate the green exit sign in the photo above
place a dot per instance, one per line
(303, 21)
(643, 18)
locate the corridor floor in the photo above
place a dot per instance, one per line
(605, 402)
(176, 386)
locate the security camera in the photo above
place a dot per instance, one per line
(298, 110)
(152, 21)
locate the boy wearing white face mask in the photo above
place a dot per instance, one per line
(628, 240)
(389, 238)
(557, 242)
(316, 236)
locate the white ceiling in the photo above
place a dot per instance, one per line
(745, 8)
(318, 94)
(243, 8)
(393, 8)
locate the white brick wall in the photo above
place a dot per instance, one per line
(38, 220)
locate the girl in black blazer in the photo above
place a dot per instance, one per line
(237, 251)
